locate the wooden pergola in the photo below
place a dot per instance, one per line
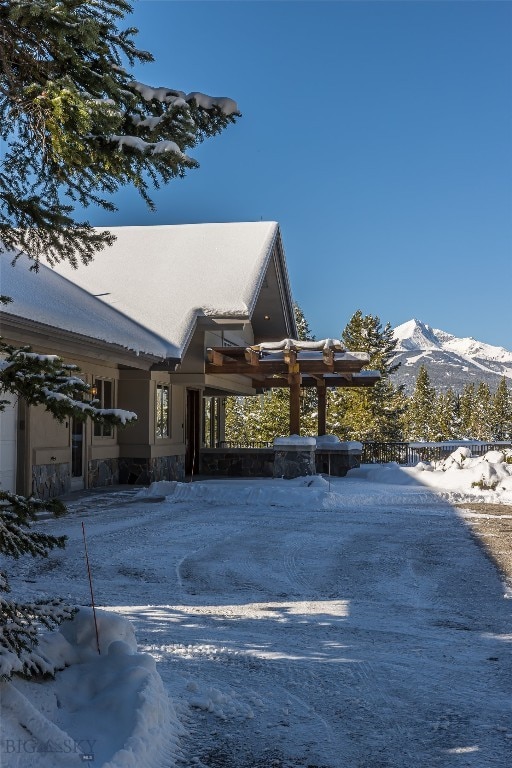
(295, 364)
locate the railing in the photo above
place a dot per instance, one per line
(382, 453)
(245, 444)
(411, 453)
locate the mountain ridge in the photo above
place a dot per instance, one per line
(450, 361)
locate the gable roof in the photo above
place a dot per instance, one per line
(154, 282)
(164, 277)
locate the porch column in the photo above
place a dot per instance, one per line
(321, 391)
(294, 381)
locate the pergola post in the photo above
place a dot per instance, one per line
(294, 382)
(321, 391)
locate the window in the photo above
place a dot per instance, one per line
(162, 410)
(212, 409)
(105, 395)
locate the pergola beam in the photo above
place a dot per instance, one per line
(271, 367)
(288, 364)
(278, 382)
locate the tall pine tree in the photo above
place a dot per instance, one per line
(421, 408)
(374, 413)
(445, 416)
(466, 410)
(502, 412)
(76, 125)
(481, 426)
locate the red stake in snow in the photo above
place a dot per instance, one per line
(92, 593)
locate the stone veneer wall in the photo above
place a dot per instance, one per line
(102, 472)
(50, 480)
(237, 462)
(259, 462)
(293, 462)
(339, 464)
(146, 471)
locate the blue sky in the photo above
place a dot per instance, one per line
(378, 134)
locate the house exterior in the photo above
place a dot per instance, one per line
(138, 321)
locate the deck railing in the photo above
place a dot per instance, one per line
(412, 453)
(382, 453)
(245, 444)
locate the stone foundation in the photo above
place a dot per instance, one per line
(50, 480)
(147, 471)
(237, 462)
(103, 472)
(294, 456)
(293, 463)
(336, 463)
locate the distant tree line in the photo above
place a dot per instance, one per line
(383, 413)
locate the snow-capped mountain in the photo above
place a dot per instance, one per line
(450, 361)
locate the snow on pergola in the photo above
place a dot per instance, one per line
(295, 364)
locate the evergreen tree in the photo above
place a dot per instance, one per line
(420, 416)
(304, 332)
(446, 417)
(39, 380)
(20, 621)
(482, 413)
(46, 380)
(374, 413)
(466, 409)
(76, 126)
(502, 412)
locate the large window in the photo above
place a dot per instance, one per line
(212, 408)
(105, 395)
(163, 410)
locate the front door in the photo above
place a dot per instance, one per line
(77, 455)
(192, 432)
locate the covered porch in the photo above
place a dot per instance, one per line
(295, 365)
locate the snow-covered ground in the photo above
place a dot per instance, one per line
(338, 624)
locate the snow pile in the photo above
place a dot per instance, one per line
(459, 476)
(159, 489)
(301, 492)
(110, 708)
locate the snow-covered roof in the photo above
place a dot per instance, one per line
(164, 277)
(157, 279)
(48, 298)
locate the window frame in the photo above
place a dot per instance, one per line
(104, 430)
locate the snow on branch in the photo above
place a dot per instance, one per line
(154, 148)
(46, 380)
(226, 105)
